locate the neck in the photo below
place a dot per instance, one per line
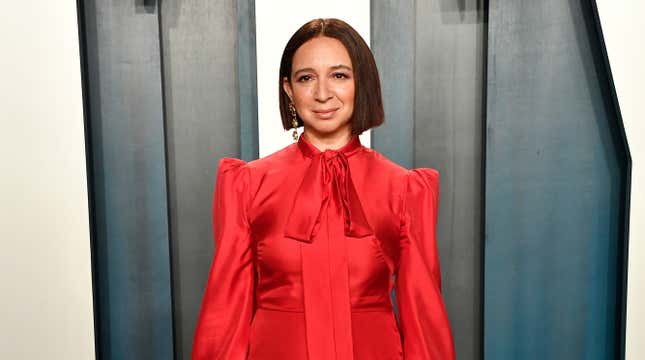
(328, 141)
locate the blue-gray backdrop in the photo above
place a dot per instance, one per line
(511, 101)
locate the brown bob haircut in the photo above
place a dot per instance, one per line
(368, 105)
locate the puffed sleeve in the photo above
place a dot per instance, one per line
(223, 326)
(425, 330)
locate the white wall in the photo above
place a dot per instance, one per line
(275, 22)
(623, 30)
(45, 273)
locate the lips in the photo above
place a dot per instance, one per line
(326, 111)
(325, 114)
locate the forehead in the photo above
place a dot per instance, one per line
(321, 52)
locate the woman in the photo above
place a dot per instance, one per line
(308, 239)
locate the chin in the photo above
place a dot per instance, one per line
(322, 127)
(327, 126)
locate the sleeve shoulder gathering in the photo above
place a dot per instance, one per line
(423, 321)
(223, 325)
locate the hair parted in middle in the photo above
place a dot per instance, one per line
(368, 105)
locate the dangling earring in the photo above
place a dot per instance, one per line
(294, 121)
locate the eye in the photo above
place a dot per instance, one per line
(304, 78)
(342, 76)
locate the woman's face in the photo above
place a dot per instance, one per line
(322, 86)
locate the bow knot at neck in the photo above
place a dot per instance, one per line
(328, 176)
(335, 166)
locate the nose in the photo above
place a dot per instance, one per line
(322, 92)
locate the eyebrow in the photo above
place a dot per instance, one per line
(335, 67)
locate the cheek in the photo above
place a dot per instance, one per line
(347, 94)
(303, 95)
(347, 90)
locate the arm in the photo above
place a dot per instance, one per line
(223, 326)
(424, 324)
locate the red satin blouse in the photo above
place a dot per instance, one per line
(307, 244)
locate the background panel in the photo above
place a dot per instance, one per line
(203, 90)
(431, 58)
(555, 187)
(622, 28)
(126, 137)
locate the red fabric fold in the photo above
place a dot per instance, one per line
(327, 175)
(327, 208)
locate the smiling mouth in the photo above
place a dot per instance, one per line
(323, 112)
(327, 114)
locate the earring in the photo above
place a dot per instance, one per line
(294, 121)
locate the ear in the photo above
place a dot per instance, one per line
(286, 85)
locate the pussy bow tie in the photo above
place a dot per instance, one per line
(328, 175)
(327, 197)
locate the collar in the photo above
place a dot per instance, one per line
(328, 176)
(349, 149)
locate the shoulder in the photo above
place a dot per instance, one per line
(275, 160)
(384, 165)
(232, 173)
(230, 164)
(423, 177)
(250, 175)
(420, 185)
(415, 182)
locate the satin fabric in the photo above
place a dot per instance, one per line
(307, 244)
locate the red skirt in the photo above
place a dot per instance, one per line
(282, 335)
